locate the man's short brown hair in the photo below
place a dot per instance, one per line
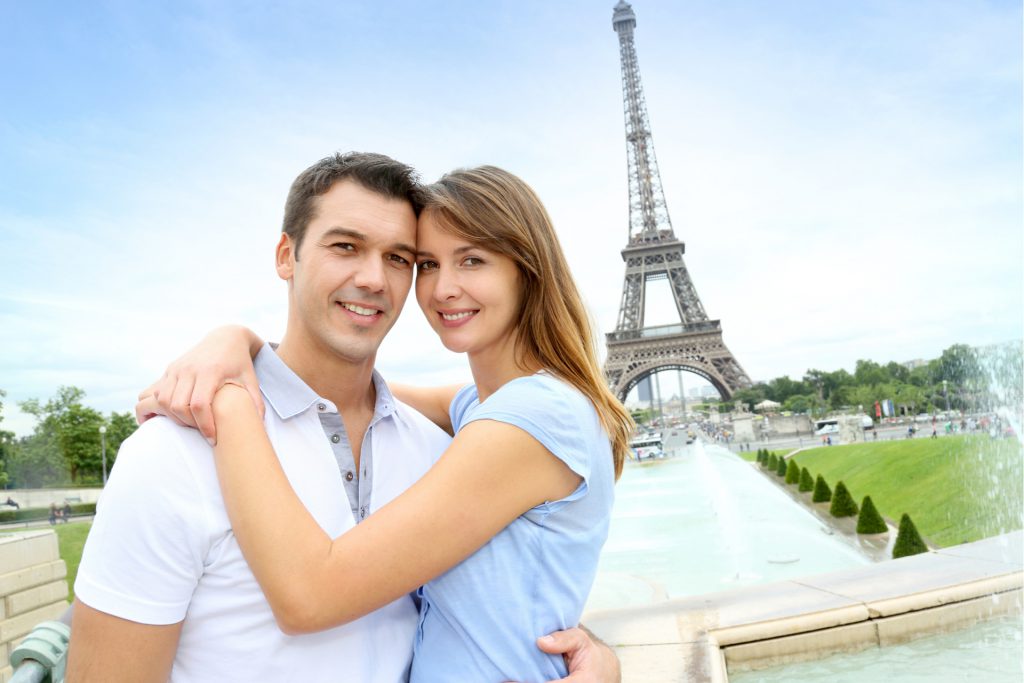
(375, 172)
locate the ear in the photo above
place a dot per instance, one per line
(285, 257)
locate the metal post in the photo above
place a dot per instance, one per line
(103, 448)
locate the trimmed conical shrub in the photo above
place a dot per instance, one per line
(908, 541)
(843, 504)
(773, 462)
(869, 521)
(806, 482)
(781, 469)
(792, 472)
(760, 456)
(822, 493)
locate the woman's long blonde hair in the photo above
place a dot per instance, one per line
(497, 211)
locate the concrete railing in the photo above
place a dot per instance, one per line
(32, 588)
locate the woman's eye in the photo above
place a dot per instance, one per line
(472, 261)
(426, 265)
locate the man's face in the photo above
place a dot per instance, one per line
(353, 271)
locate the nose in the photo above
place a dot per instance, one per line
(446, 285)
(370, 275)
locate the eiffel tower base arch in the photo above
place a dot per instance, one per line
(632, 356)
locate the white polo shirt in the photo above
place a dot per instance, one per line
(161, 548)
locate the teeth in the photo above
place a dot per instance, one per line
(360, 310)
(456, 316)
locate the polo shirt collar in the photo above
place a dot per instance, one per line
(289, 396)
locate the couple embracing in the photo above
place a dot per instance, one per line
(321, 525)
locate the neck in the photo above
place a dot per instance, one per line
(347, 384)
(493, 368)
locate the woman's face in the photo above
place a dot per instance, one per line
(470, 295)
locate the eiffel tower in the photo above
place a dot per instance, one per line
(636, 351)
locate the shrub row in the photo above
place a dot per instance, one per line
(31, 514)
(842, 504)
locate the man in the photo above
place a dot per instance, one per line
(163, 590)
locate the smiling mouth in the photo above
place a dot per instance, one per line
(360, 310)
(452, 317)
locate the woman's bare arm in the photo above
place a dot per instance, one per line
(433, 402)
(314, 582)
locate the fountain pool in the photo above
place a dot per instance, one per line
(707, 521)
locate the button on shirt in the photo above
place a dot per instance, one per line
(290, 396)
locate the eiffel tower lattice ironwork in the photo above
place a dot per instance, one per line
(636, 351)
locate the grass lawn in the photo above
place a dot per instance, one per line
(955, 488)
(71, 540)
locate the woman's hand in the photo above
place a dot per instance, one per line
(186, 390)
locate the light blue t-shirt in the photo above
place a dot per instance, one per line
(480, 620)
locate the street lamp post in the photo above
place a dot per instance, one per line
(103, 450)
(945, 392)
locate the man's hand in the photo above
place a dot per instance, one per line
(588, 659)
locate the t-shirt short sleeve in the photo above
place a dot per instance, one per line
(145, 551)
(553, 412)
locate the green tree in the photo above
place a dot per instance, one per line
(119, 427)
(792, 472)
(799, 403)
(782, 388)
(869, 372)
(7, 444)
(870, 521)
(908, 540)
(806, 481)
(72, 429)
(750, 396)
(822, 493)
(36, 461)
(782, 467)
(773, 462)
(843, 504)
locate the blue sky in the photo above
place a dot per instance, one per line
(846, 175)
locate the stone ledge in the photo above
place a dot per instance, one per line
(808, 618)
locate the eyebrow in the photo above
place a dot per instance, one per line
(343, 232)
(356, 235)
(460, 250)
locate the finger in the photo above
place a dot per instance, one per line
(181, 399)
(562, 642)
(149, 391)
(146, 408)
(201, 406)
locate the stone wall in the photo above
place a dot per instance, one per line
(32, 588)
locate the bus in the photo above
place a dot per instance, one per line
(826, 427)
(647, 446)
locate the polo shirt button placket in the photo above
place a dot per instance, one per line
(335, 438)
(348, 476)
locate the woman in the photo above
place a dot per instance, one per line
(539, 441)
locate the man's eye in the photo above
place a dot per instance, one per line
(401, 260)
(344, 246)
